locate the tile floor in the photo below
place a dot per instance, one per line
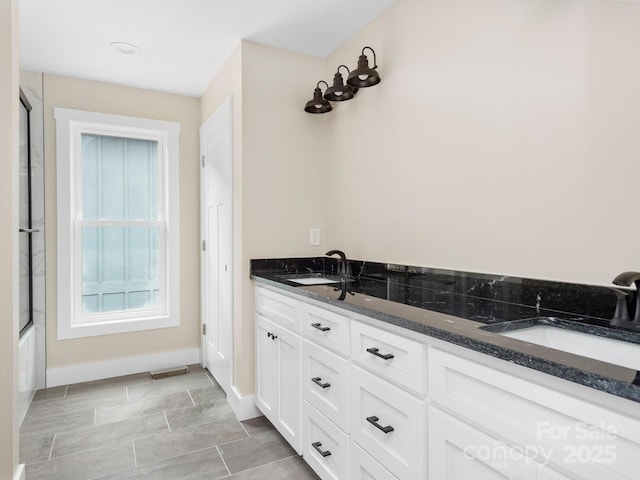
(134, 427)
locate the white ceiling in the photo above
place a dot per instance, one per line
(183, 43)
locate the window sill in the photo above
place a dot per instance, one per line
(114, 327)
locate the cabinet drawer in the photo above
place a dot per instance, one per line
(362, 466)
(590, 441)
(279, 308)
(397, 358)
(325, 382)
(325, 447)
(326, 328)
(459, 451)
(388, 423)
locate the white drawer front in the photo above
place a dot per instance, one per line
(458, 451)
(325, 447)
(363, 467)
(586, 439)
(279, 308)
(398, 442)
(325, 383)
(389, 355)
(326, 328)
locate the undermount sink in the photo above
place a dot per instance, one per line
(608, 350)
(315, 279)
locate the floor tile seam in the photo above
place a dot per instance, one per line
(240, 439)
(29, 436)
(68, 410)
(135, 436)
(223, 462)
(108, 444)
(195, 425)
(53, 442)
(183, 454)
(97, 392)
(146, 395)
(77, 453)
(167, 420)
(192, 400)
(245, 429)
(264, 464)
(146, 415)
(135, 457)
(103, 475)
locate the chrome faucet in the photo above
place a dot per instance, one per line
(621, 315)
(344, 268)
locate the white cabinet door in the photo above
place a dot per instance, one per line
(278, 355)
(266, 368)
(289, 416)
(458, 451)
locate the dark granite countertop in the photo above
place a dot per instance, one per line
(469, 309)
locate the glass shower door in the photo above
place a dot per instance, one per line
(26, 229)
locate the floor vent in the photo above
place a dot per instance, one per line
(169, 372)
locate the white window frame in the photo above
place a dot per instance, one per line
(70, 125)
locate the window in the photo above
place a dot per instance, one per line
(118, 268)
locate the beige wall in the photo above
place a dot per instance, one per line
(284, 172)
(279, 171)
(106, 98)
(503, 138)
(9, 88)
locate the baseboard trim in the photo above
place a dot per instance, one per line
(244, 407)
(19, 472)
(86, 372)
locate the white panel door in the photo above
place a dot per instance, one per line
(267, 382)
(217, 235)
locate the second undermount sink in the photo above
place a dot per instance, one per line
(617, 352)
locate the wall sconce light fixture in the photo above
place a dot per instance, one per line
(339, 92)
(363, 76)
(318, 104)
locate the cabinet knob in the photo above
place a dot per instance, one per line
(317, 445)
(375, 351)
(374, 421)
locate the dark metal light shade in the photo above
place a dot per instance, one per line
(339, 92)
(363, 76)
(318, 104)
